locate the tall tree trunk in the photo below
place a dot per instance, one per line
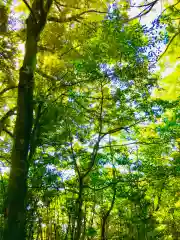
(17, 189)
(93, 212)
(105, 217)
(84, 225)
(19, 166)
(68, 228)
(79, 211)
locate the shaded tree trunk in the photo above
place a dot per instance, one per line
(68, 228)
(19, 166)
(93, 212)
(17, 189)
(105, 217)
(79, 210)
(72, 227)
(84, 224)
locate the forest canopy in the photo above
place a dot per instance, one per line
(89, 120)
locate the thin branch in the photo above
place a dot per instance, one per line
(96, 146)
(3, 157)
(94, 112)
(119, 129)
(43, 48)
(8, 132)
(144, 5)
(171, 6)
(69, 50)
(62, 84)
(30, 9)
(132, 143)
(7, 89)
(7, 115)
(58, 6)
(64, 5)
(172, 39)
(74, 17)
(104, 187)
(43, 74)
(72, 151)
(175, 19)
(35, 132)
(112, 203)
(144, 11)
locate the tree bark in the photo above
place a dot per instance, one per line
(105, 217)
(68, 228)
(79, 210)
(84, 224)
(17, 189)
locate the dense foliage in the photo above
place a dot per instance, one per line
(89, 120)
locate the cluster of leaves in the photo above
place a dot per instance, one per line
(104, 155)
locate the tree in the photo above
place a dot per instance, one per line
(76, 124)
(89, 141)
(19, 166)
(17, 189)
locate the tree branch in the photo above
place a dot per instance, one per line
(3, 119)
(30, 9)
(132, 143)
(96, 146)
(104, 187)
(35, 132)
(144, 11)
(7, 89)
(8, 132)
(62, 84)
(119, 129)
(171, 40)
(171, 6)
(64, 5)
(144, 5)
(74, 17)
(46, 49)
(72, 151)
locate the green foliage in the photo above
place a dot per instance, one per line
(104, 145)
